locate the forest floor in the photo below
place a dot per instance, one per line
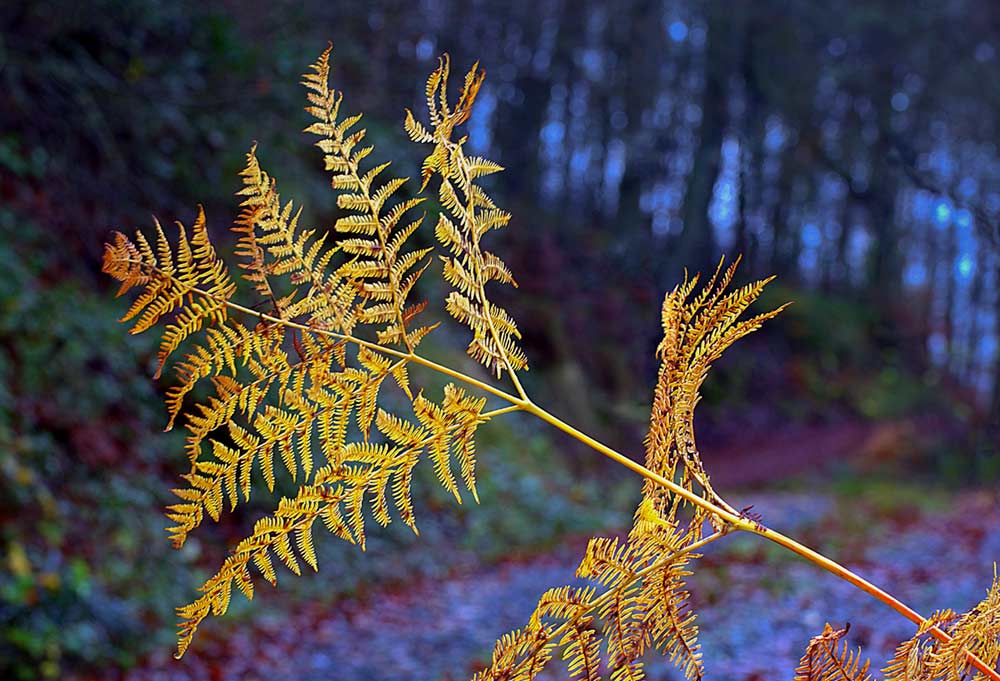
(757, 605)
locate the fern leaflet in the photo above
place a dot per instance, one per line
(471, 213)
(829, 658)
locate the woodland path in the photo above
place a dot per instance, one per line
(757, 607)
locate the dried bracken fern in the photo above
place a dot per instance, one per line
(384, 271)
(471, 214)
(938, 651)
(697, 328)
(636, 602)
(644, 602)
(926, 657)
(829, 658)
(305, 383)
(194, 283)
(913, 656)
(295, 383)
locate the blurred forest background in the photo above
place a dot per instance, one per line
(848, 147)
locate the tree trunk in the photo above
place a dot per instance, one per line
(993, 427)
(697, 247)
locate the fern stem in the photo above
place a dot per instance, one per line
(866, 586)
(502, 411)
(465, 378)
(637, 467)
(406, 356)
(517, 382)
(748, 526)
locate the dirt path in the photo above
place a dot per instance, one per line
(757, 607)
(765, 457)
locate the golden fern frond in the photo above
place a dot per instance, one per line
(385, 273)
(292, 521)
(296, 383)
(669, 624)
(194, 284)
(227, 347)
(645, 602)
(471, 213)
(316, 395)
(305, 397)
(582, 651)
(911, 661)
(976, 631)
(363, 474)
(695, 333)
(626, 633)
(924, 658)
(642, 604)
(273, 245)
(828, 658)
(670, 621)
(609, 561)
(452, 426)
(507, 664)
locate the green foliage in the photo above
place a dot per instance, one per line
(67, 409)
(555, 501)
(831, 356)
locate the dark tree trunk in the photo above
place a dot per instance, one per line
(993, 429)
(837, 270)
(697, 248)
(970, 365)
(948, 314)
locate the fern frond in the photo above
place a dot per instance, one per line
(384, 274)
(670, 620)
(360, 474)
(507, 663)
(609, 562)
(912, 659)
(643, 603)
(582, 651)
(227, 347)
(194, 285)
(268, 401)
(695, 333)
(310, 392)
(471, 213)
(828, 658)
(273, 246)
(293, 519)
(625, 632)
(976, 631)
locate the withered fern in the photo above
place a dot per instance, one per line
(928, 655)
(829, 658)
(303, 375)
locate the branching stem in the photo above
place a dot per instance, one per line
(746, 525)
